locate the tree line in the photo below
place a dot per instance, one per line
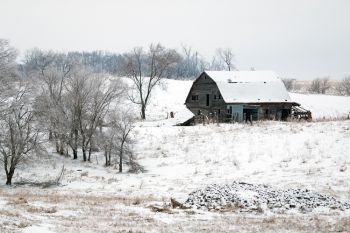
(320, 86)
(188, 65)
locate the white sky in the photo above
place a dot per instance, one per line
(297, 38)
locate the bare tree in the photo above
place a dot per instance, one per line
(19, 136)
(78, 90)
(226, 55)
(8, 56)
(37, 61)
(125, 126)
(52, 72)
(146, 70)
(106, 140)
(100, 94)
(289, 83)
(320, 85)
(116, 138)
(190, 64)
(217, 64)
(122, 123)
(344, 86)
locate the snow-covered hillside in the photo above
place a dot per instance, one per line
(179, 160)
(324, 106)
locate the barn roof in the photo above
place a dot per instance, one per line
(250, 86)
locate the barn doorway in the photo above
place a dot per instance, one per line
(208, 99)
(251, 110)
(285, 114)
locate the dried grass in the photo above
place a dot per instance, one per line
(34, 209)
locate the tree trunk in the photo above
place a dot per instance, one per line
(90, 150)
(57, 146)
(84, 153)
(109, 156)
(9, 177)
(67, 151)
(75, 144)
(106, 157)
(121, 157)
(143, 112)
(61, 148)
(75, 154)
(50, 135)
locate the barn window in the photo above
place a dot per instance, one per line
(217, 96)
(195, 97)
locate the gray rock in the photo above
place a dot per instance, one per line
(250, 197)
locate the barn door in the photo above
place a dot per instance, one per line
(207, 99)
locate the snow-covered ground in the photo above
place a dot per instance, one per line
(179, 160)
(324, 106)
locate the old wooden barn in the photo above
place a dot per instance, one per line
(232, 95)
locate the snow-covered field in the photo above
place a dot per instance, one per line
(179, 160)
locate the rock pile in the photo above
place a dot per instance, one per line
(249, 197)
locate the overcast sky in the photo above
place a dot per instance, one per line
(297, 38)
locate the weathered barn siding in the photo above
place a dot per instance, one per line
(209, 97)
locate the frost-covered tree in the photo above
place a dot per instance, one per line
(19, 135)
(217, 64)
(344, 86)
(8, 55)
(289, 83)
(190, 65)
(51, 71)
(120, 125)
(320, 85)
(123, 125)
(8, 69)
(226, 55)
(99, 94)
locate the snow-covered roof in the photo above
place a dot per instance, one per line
(250, 86)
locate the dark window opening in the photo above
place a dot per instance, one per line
(217, 96)
(195, 97)
(207, 99)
